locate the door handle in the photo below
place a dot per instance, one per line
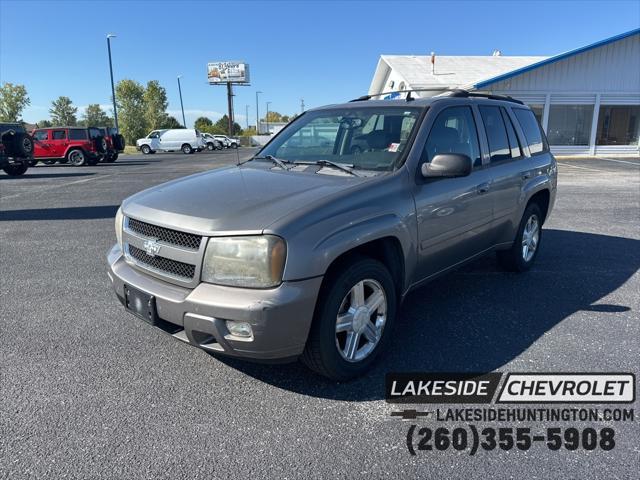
(483, 188)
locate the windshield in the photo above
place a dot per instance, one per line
(369, 138)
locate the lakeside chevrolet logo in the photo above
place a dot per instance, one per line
(152, 247)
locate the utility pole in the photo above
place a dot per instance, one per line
(246, 116)
(113, 89)
(302, 105)
(230, 106)
(257, 114)
(184, 122)
(267, 117)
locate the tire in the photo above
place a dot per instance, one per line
(118, 142)
(33, 162)
(18, 144)
(91, 161)
(233, 145)
(326, 351)
(219, 146)
(186, 149)
(76, 157)
(16, 169)
(145, 149)
(210, 146)
(520, 258)
(112, 158)
(101, 144)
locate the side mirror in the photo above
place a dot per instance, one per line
(447, 165)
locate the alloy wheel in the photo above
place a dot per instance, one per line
(530, 237)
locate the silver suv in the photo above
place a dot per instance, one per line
(308, 249)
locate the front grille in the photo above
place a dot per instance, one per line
(164, 265)
(166, 235)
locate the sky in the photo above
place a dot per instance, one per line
(321, 51)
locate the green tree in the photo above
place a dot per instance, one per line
(155, 102)
(170, 122)
(274, 117)
(13, 100)
(63, 112)
(94, 116)
(203, 123)
(221, 127)
(131, 109)
(44, 124)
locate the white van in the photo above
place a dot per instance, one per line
(187, 140)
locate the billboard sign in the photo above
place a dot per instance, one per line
(227, 72)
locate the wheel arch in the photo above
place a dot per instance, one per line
(542, 198)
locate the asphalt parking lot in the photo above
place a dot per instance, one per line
(88, 391)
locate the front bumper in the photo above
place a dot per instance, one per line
(280, 317)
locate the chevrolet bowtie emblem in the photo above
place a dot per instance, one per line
(152, 247)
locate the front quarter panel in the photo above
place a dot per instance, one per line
(318, 234)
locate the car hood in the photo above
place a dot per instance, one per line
(233, 200)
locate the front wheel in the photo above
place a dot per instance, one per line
(354, 316)
(145, 149)
(523, 252)
(234, 145)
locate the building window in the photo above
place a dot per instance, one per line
(538, 111)
(569, 124)
(618, 125)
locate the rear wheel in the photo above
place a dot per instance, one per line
(210, 146)
(354, 316)
(186, 149)
(76, 158)
(522, 254)
(113, 157)
(16, 169)
(234, 145)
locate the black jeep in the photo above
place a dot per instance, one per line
(16, 149)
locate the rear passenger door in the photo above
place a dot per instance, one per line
(454, 215)
(506, 163)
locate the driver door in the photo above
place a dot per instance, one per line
(454, 215)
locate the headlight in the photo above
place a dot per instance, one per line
(251, 261)
(119, 219)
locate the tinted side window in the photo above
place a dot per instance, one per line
(58, 135)
(496, 133)
(454, 131)
(77, 134)
(41, 135)
(514, 144)
(532, 130)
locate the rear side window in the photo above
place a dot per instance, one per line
(58, 135)
(77, 134)
(514, 144)
(496, 133)
(532, 130)
(41, 135)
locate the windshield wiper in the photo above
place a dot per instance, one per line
(328, 163)
(277, 161)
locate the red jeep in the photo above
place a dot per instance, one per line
(115, 143)
(74, 145)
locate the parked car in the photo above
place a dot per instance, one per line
(307, 249)
(115, 143)
(212, 142)
(75, 145)
(16, 149)
(227, 142)
(187, 140)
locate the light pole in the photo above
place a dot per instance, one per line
(246, 115)
(257, 115)
(113, 88)
(184, 122)
(267, 117)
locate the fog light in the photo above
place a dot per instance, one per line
(239, 329)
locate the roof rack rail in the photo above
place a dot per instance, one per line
(408, 92)
(466, 94)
